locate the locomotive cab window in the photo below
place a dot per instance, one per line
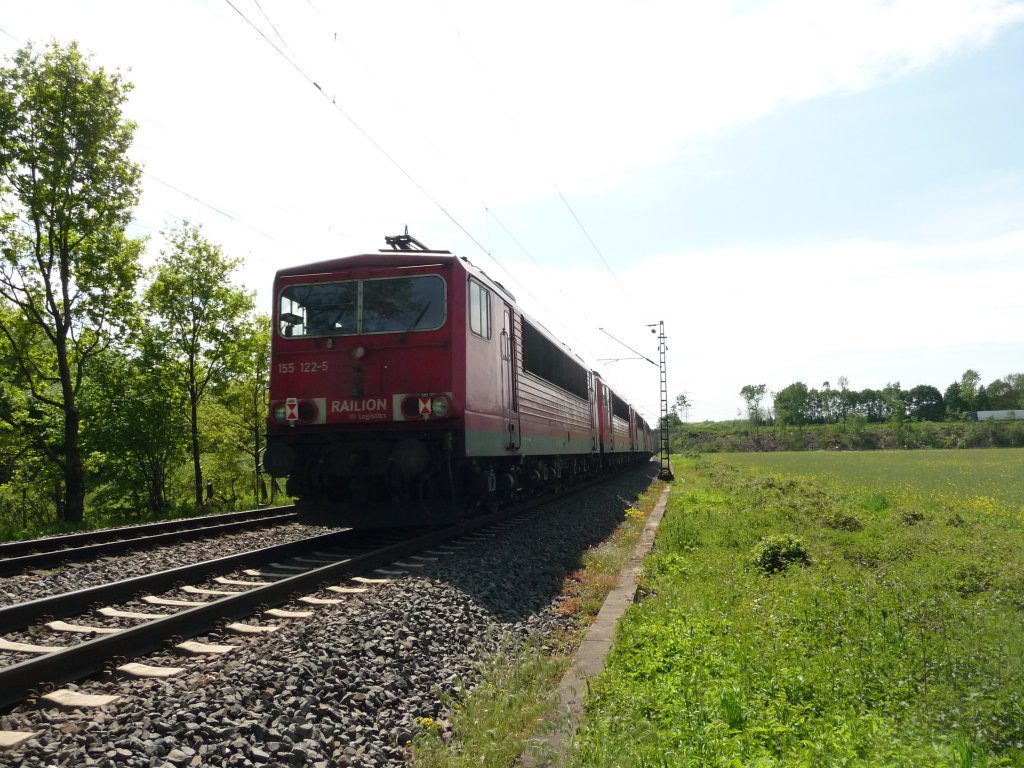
(386, 305)
(479, 310)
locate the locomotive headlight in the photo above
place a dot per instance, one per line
(307, 411)
(359, 352)
(439, 406)
(279, 413)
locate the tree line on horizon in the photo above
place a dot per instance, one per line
(797, 404)
(123, 390)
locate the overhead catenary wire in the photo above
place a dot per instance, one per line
(178, 189)
(597, 250)
(478, 68)
(265, 16)
(359, 128)
(489, 211)
(315, 9)
(213, 208)
(352, 121)
(309, 79)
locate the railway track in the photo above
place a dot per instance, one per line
(19, 556)
(313, 564)
(348, 682)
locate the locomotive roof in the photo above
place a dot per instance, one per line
(387, 259)
(382, 259)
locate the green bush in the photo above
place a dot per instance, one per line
(911, 516)
(842, 521)
(970, 579)
(775, 553)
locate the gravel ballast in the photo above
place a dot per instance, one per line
(345, 687)
(31, 585)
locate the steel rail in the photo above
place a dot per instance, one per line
(51, 543)
(49, 559)
(15, 617)
(30, 678)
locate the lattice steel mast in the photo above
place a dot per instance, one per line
(666, 464)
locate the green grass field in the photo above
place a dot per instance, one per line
(942, 476)
(825, 609)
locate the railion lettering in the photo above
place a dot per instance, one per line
(365, 405)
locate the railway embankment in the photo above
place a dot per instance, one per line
(355, 682)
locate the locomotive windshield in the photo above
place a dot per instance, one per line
(386, 305)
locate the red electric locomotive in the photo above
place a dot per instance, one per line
(407, 387)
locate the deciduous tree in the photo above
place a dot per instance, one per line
(752, 395)
(844, 401)
(682, 406)
(969, 388)
(924, 402)
(1007, 393)
(67, 271)
(198, 313)
(246, 393)
(955, 404)
(792, 404)
(137, 424)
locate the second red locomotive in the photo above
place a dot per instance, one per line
(407, 388)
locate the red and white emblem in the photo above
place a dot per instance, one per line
(425, 407)
(291, 409)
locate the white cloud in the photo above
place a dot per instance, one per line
(592, 87)
(475, 100)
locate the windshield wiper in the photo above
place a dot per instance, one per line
(419, 317)
(416, 321)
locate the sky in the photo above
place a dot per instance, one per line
(798, 190)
